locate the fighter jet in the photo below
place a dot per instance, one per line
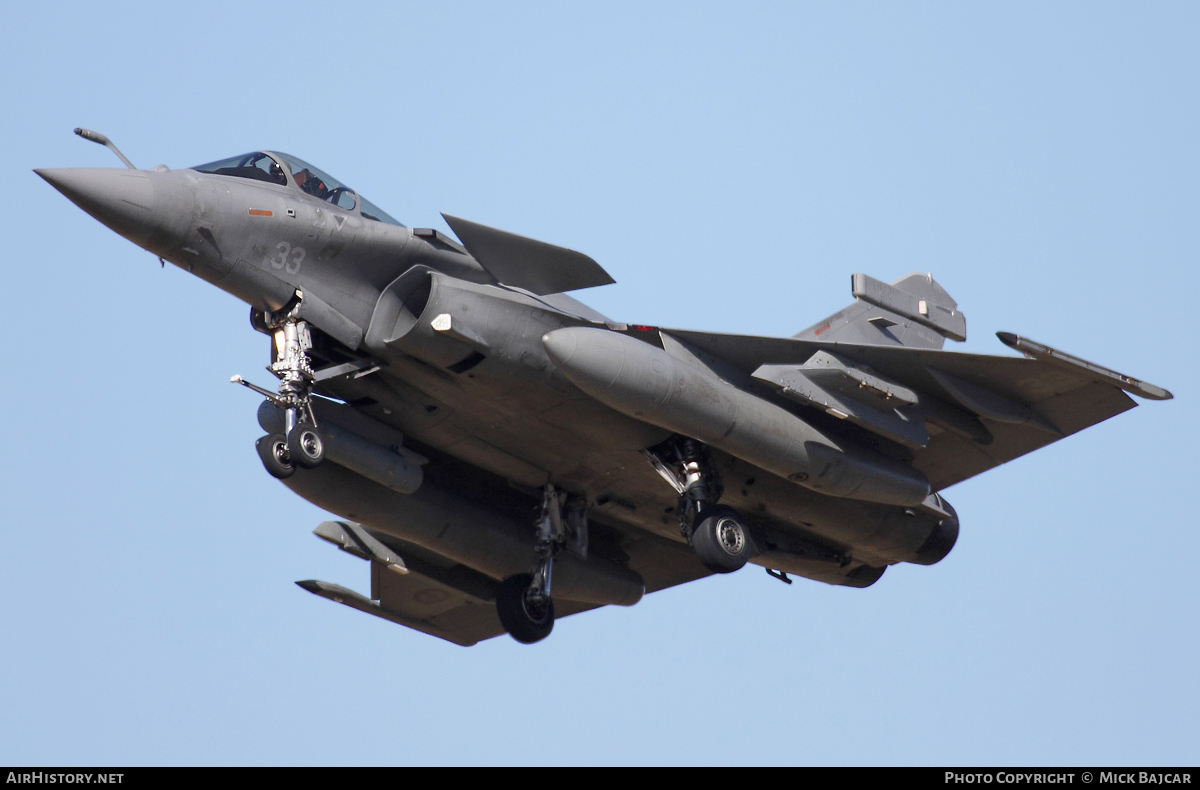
(503, 455)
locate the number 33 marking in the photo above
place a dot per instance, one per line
(281, 260)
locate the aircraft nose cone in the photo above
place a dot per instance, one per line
(121, 199)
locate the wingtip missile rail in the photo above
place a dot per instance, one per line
(1052, 355)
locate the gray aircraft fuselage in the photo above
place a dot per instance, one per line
(499, 390)
(513, 414)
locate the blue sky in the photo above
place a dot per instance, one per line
(731, 166)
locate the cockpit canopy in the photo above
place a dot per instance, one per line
(274, 168)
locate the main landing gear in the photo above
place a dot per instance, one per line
(300, 443)
(528, 616)
(716, 532)
(523, 600)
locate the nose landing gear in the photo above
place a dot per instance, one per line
(300, 444)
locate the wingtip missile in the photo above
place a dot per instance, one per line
(1053, 356)
(311, 585)
(348, 597)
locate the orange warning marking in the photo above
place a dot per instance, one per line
(261, 212)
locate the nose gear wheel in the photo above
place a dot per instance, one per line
(273, 452)
(305, 446)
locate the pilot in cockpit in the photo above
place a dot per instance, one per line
(310, 183)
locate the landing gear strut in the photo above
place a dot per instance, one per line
(300, 444)
(716, 532)
(523, 601)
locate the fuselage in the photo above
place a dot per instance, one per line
(483, 389)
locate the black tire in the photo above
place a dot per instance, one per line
(275, 457)
(258, 320)
(305, 446)
(721, 540)
(523, 623)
